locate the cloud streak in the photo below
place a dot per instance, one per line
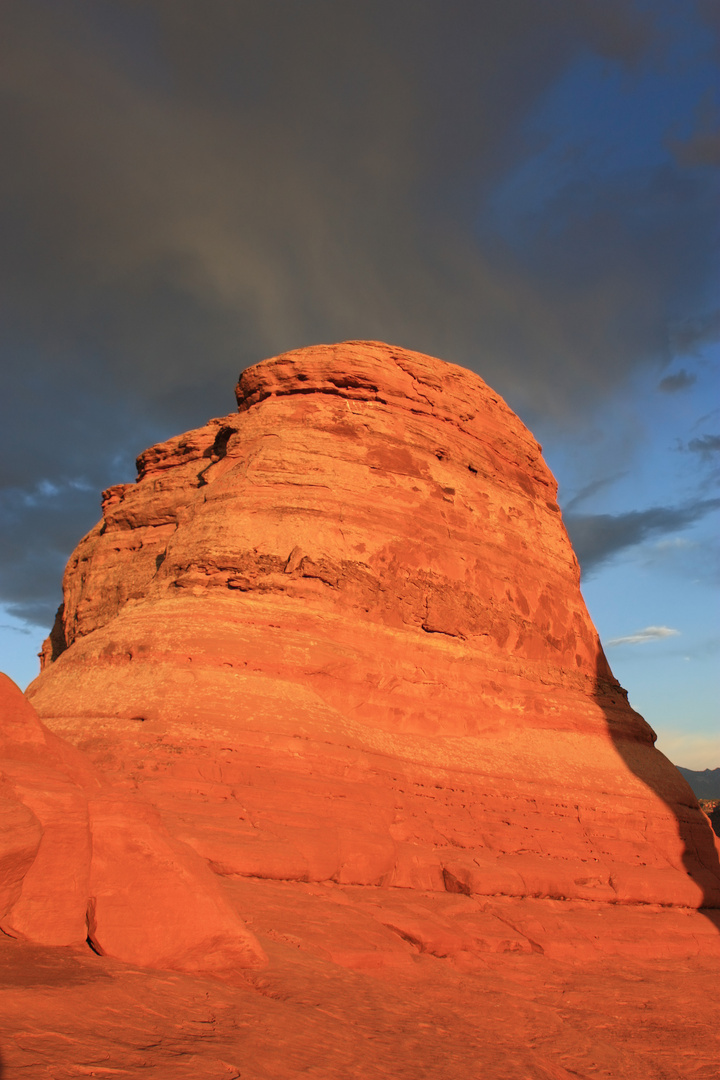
(642, 637)
(679, 380)
(597, 538)
(591, 489)
(706, 446)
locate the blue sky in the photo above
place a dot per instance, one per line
(528, 189)
(670, 581)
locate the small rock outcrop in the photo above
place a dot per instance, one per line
(338, 636)
(81, 860)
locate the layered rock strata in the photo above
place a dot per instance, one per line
(339, 636)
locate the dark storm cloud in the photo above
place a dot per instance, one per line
(679, 380)
(591, 489)
(197, 186)
(706, 446)
(32, 559)
(598, 537)
(689, 336)
(702, 149)
(189, 187)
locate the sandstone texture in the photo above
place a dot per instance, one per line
(330, 651)
(80, 861)
(497, 1015)
(339, 636)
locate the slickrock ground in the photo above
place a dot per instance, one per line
(336, 640)
(67, 1013)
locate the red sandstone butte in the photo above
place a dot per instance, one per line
(339, 636)
(335, 643)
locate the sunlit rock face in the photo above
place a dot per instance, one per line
(84, 860)
(338, 636)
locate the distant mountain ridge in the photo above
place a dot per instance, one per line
(705, 784)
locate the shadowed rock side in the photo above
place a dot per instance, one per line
(338, 636)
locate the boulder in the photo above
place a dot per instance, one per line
(80, 860)
(44, 877)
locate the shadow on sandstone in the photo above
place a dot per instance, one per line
(699, 852)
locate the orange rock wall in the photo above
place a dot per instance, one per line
(339, 635)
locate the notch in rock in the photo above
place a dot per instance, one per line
(294, 559)
(218, 449)
(216, 452)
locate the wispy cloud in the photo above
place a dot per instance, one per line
(702, 420)
(597, 537)
(691, 334)
(641, 637)
(592, 489)
(706, 446)
(679, 380)
(674, 543)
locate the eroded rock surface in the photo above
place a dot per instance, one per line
(628, 993)
(339, 636)
(81, 860)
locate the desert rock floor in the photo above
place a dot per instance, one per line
(356, 987)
